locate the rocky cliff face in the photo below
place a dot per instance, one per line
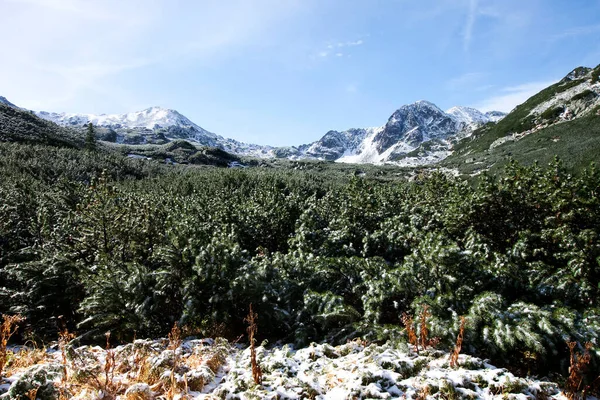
(414, 124)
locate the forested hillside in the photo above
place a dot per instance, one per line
(22, 126)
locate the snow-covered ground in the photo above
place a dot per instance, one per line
(208, 369)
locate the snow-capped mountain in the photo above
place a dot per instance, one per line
(150, 125)
(414, 124)
(416, 134)
(495, 116)
(150, 118)
(155, 125)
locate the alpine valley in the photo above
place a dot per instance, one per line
(562, 116)
(416, 134)
(447, 272)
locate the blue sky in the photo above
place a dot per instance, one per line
(284, 72)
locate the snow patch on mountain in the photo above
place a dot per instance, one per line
(365, 152)
(495, 116)
(469, 116)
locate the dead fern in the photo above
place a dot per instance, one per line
(423, 339)
(578, 364)
(423, 331)
(7, 329)
(109, 387)
(175, 342)
(64, 338)
(407, 320)
(252, 328)
(32, 394)
(458, 346)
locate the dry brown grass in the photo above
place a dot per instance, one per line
(26, 357)
(173, 388)
(32, 394)
(458, 346)
(194, 360)
(135, 396)
(7, 329)
(423, 393)
(252, 328)
(91, 372)
(216, 361)
(85, 379)
(141, 372)
(578, 365)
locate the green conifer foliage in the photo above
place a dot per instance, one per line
(90, 138)
(131, 246)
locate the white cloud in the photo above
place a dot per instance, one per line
(329, 49)
(351, 44)
(510, 97)
(469, 26)
(74, 55)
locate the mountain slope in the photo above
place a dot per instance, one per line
(560, 120)
(415, 134)
(22, 126)
(155, 125)
(406, 131)
(152, 125)
(4, 100)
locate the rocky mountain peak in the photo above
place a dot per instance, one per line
(577, 73)
(415, 123)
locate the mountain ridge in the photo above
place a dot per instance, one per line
(158, 125)
(416, 134)
(4, 100)
(407, 129)
(561, 120)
